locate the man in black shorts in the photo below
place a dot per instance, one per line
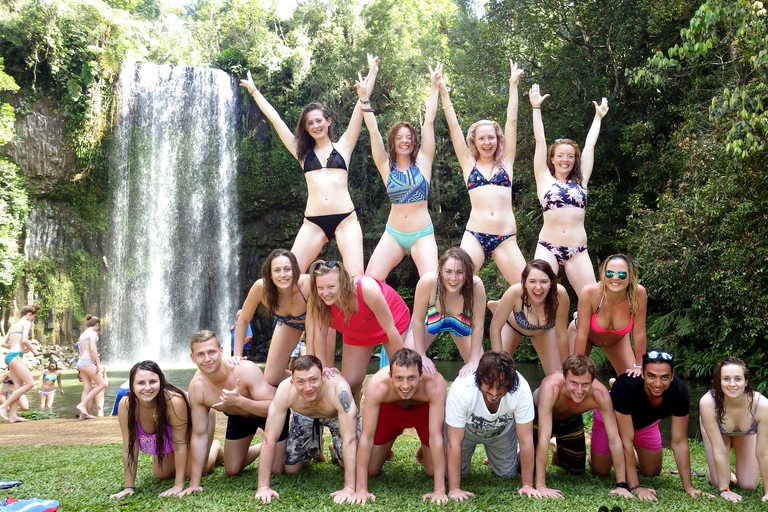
(560, 402)
(240, 392)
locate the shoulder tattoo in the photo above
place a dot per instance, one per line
(344, 399)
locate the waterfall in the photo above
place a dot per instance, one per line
(174, 235)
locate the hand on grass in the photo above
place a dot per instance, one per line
(645, 493)
(343, 495)
(173, 491)
(528, 490)
(122, 494)
(190, 490)
(459, 495)
(360, 497)
(546, 492)
(265, 494)
(625, 493)
(438, 497)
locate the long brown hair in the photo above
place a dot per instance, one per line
(167, 391)
(550, 302)
(269, 294)
(346, 301)
(632, 275)
(575, 174)
(391, 143)
(717, 387)
(305, 142)
(471, 144)
(467, 289)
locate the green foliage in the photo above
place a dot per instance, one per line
(13, 199)
(83, 485)
(38, 415)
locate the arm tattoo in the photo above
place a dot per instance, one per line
(344, 399)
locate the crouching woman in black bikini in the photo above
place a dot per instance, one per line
(283, 290)
(536, 307)
(329, 212)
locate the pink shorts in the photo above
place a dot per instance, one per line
(394, 419)
(647, 438)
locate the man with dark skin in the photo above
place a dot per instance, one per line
(400, 397)
(639, 404)
(239, 391)
(560, 401)
(314, 401)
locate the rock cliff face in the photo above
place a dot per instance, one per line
(40, 147)
(54, 230)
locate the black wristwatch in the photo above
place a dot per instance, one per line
(622, 485)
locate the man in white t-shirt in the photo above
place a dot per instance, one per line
(493, 407)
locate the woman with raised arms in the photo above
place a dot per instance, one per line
(562, 174)
(450, 300)
(406, 169)
(17, 342)
(486, 160)
(154, 419)
(283, 290)
(329, 213)
(734, 416)
(536, 307)
(366, 311)
(611, 310)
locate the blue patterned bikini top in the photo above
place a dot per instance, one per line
(476, 179)
(564, 194)
(407, 187)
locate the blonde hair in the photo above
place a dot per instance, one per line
(634, 282)
(346, 301)
(498, 155)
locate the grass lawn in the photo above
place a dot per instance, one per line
(83, 477)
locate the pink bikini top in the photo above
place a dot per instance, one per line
(596, 327)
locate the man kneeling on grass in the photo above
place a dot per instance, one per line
(560, 402)
(492, 407)
(316, 403)
(396, 398)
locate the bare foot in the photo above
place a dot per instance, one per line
(17, 419)
(4, 412)
(485, 462)
(84, 412)
(391, 455)
(419, 456)
(321, 457)
(334, 459)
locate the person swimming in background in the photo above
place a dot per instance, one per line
(330, 212)
(50, 377)
(18, 342)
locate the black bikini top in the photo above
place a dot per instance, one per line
(335, 161)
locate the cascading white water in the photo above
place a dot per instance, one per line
(174, 235)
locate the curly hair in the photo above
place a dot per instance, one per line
(467, 289)
(575, 174)
(471, 144)
(167, 391)
(717, 386)
(269, 295)
(497, 368)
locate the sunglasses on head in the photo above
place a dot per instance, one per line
(320, 264)
(621, 274)
(659, 354)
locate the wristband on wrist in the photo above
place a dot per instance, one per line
(727, 489)
(536, 108)
(633, 489)
(446, 107)
(366, 110)
(366, 102)
(622, 485)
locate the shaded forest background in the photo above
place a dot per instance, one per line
(679, 181)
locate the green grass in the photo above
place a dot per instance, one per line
(83, 477)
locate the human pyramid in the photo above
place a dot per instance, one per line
(490, 403)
